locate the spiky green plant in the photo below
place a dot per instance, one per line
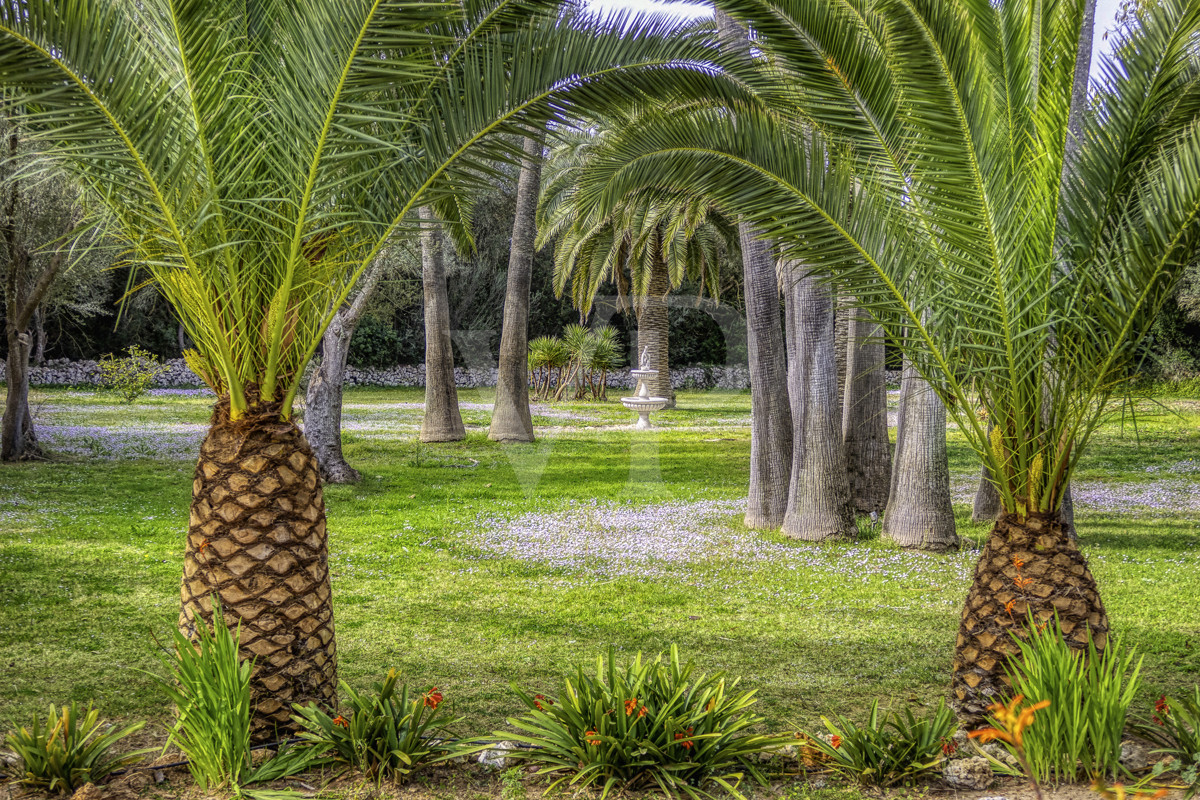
(71, 749)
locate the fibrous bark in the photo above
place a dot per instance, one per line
(653, 330)
(257, 542)
(919, 512)
(819, 506)
(442, 421)
(1028, 566)
(323, 397)
(511, 420)
(864, 416)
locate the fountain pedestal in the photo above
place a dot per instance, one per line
(642, 402)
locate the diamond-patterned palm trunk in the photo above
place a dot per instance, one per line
(1027, 566)
(257, 540)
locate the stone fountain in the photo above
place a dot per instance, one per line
(641, 401)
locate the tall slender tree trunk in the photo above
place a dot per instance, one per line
(511, 420)
(257, 542)
(442, 421)
(864, 415)
(819, 505)
(770, 414)
(323, 397)
(919, 512)
(1028, 566)
(654, 330)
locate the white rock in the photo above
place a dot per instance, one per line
(974, 774)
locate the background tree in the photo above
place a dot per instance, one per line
(511, 420)
(865, 416)
(256, 158)
(646, 246)
(442, 421)
(923, 166)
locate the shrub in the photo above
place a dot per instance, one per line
(132, 375)
(645, 724)
(1089, 699)
(385, 735)
(1175, 729)
(889, 749)
(70, 750)
(375, 344)
(211, 692)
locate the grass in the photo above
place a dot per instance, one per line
(91, 547)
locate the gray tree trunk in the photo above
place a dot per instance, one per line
(864, 415)
(987, 498)
(819, 506)
(654, 331)
(18, 440)
(38, 358)
(511, 420)
(323, 398)
(442, 421)
(919, 512)
(770, 414)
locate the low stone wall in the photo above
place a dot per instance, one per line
(63, 372)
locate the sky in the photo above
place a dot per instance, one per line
(1106, 12)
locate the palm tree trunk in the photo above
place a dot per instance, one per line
(654, 331)
(1028, 566)
(511, 420)
(442, 421)
(919, 512)
(864, 416)
(323, 398)
(770, 415)
(257, 541)
(819, 506)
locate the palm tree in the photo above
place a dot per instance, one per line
(647, 246)
(511, 420)
(442, 421)
(256, 157)
(922, 165)
(864, 415)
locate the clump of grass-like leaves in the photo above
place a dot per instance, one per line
(1079, 734)
(211, 692)
(388, 735)
(70, 750)
(890, 749)
(1175, 729)
(646, 724)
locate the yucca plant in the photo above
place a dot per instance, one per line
(604, 357)
(255, 158)
(919, 151)
(548, 357)
(888, 750)
(71, 749)
(1079, 734)
(644, 724)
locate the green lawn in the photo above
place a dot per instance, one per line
(471, 565)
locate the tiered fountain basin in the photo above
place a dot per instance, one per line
(642, 402)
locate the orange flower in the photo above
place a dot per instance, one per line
(592, 737)
(537, 701)
(949, 747)
(1021, 581)
(203, 545)
(1013, 721)
(1018, 562)
(342, 721)
(1009, 606)
(433, 698)
(631, 706)
(687, 742)
(835, 741)
(641, 712)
